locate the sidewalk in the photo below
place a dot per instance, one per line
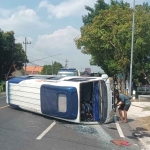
(136, 111)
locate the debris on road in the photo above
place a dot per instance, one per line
(120, 142)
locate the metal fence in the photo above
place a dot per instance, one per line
(143, 90)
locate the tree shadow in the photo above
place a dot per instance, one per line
(130, 120)
(141, 132)
(112, 128)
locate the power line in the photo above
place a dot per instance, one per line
(35, 53)
(43, 61)
(42, 58)
(34, 64)
(47, 53)
(45, 57)
(35, 45)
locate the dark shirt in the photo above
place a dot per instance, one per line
(123, 98)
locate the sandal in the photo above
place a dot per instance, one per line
(120, 119)
(123, 121)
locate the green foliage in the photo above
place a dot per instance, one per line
(2, 86)
(107, 38)
(92, 12)
(47, 70)
(56, 67)
(100, 5)
(10, 53)
(51, 69)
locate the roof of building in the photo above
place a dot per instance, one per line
(34, 68)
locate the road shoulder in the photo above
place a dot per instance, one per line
(138, 130)
(2, 94)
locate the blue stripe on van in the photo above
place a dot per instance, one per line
(49, 101)
(18, 79)
(8, 92)
(96, 102)
(14, 106)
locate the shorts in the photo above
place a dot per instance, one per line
(124, 107)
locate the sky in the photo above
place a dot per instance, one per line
(51, 26)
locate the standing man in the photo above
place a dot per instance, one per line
(124, 104)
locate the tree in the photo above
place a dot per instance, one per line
(10, 53)
(99, 5)
(56, 67)
(47, 70)
(92, 12)
(51, 69)
(108, 39)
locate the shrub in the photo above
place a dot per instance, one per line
(2, 86)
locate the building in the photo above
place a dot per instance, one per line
(33, 69)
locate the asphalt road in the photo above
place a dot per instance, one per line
(19, 131)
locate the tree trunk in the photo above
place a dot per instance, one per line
(123, 83)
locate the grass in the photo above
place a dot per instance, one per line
(146, 108)
(134, 100)
(145, 121)
(2, 86)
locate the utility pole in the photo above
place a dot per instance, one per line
(66, 66)
(26, 51)
(132, 44)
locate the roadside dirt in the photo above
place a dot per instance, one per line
(145, 122)
(146, 109)
(134, 100)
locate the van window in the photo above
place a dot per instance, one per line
(67, 74)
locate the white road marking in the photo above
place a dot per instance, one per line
(3, 97)
(107, 126)
(118, 127)
(136, 145)
(45, 131)
(3, 107)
